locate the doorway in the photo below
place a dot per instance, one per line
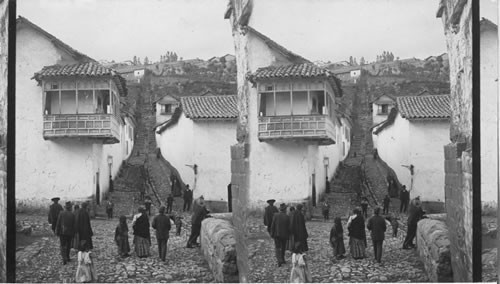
(97, 189)
(313, 181)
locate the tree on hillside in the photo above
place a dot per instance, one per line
(134, 61)
(362, 61)
(351, 61)
(146, 61)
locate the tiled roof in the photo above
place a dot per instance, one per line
(209, 107)
(73, 52)
(424, 107)
(302, 70)
(86, 69)
(80, 69)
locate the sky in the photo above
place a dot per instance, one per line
(327, 30)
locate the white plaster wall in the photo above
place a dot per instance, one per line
(119, 153)
(393, 145)
(426, 155)
(489, 115)
(282, 169)
(212, 154)
(279, 170)
(44, 169)
(177, 144)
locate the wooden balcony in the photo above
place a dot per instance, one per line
(315, 128)
(103, 127)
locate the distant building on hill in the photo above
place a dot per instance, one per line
(381, 106)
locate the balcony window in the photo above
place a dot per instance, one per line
(293, 103)
(85, 97)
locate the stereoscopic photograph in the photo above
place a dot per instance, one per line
(172, 141)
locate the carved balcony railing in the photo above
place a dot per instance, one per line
(315, 128)
(104, 127)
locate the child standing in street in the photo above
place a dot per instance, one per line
(121, 237)
(394, 225)
(178, 224)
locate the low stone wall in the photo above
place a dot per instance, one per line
(218, 245)
(433, 246)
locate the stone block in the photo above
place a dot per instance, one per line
(218, 245)
(434, 249)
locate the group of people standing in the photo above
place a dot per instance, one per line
(288, 230)
(290, 233)
(71, 226)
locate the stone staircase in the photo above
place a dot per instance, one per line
(133, 176)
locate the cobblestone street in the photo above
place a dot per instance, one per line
(397, 265)
(41, 262)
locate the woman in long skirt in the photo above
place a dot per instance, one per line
(357, 234)
(337, 239)
(142, 237)
(121, 237)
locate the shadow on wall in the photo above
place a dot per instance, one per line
(173, 171)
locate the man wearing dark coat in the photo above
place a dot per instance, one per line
(298, 231)
(170, 201)
(269, 213)
(161, 223)
(188, 198)
(54, 210)
(200, 213)
(376, 224)
(65, 230)
(280, 232)
(415, 214)
(83, 228)
(404, 196)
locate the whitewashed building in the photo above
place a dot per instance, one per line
(489, 112)
(196, 141)
(71, 135)
(295, 136)
(411, 141)
(381, 106)
(164, 108)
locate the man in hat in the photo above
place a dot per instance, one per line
(404, 196)
(199, 214)
(415, 214)
(188, 198)
(65, 230)
(54, 210)
(170, 201)
(376, 225)
(161, 223)
(280, 232)
(268, 214)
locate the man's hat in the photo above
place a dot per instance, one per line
(271, 201)
(56, 199)
(68, 204)
(283, 207)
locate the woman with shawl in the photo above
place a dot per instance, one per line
(142, 237)
(298, 231)
(83, 228)
(337, 239)
(121, 237)
(357, 234)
